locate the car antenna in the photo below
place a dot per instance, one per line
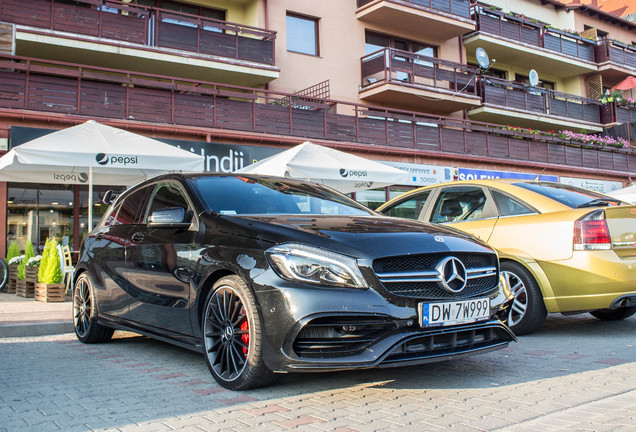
(537, 178)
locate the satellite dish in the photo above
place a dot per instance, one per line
(533, 77)
(482, 58)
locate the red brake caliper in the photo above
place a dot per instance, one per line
(246, 336)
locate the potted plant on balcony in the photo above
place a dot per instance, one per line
(13, 253)
(50, 287)
(24, 289)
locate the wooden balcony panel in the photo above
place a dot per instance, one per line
(590, 158)
(556, 154)
(341, 128)
(622, 56)
(76, 19)
(130, 28)
(498, 146)
(519, 148)
(193, 109)
(176, 36)
(539, 153)
(428, 137)
(93, 102)
(52, 94)
(452, 141)
(12, 89)
(455, 7)
(625, 115)
(36, 13)
(234, 114)
(256, 50)
(150, 105)
(477, 145)
(509, 30)
(573, 156)
(569, 47)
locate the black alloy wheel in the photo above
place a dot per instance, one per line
(232, 336)
(84, 312)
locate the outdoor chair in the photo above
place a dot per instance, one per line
(66, 264)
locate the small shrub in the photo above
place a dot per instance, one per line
(28, 254)
(51, 270)
(13, 250)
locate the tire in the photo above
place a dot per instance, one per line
(614, 314)
(86, 327)
(4, 274)
(233, 336)
(527, 311)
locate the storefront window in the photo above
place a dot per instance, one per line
(36, 212)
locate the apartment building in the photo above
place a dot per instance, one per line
(443, 88)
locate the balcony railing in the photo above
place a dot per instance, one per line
(613, 113)
(532, 33)
(396, 66)
(148, 26)
(455, 7)
(616, 53)
(77, 90)
(499, 92)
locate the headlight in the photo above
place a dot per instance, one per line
(308, 264)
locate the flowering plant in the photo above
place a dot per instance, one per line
(595, 139)
(616, 96)
(34, 261)
(16, 260)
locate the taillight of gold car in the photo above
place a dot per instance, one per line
(591, 232)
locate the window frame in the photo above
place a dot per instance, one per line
(316, 34)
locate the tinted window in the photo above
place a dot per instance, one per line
(409, 208)
(127, 212)
(459, 204)
(571, 196)
(244, 195)
(509, 206)
(168, 195)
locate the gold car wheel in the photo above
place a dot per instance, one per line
(520, 302)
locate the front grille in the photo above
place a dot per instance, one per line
(340, 336)
(416, 275)
(445, 343)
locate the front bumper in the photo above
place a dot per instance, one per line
(312, 328)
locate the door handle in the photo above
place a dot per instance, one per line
(137, 237)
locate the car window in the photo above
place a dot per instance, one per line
(246, 195)
(509, 206)
(409, 208)
(127, 211)
(167, 195)
(571, 196)
(459, 204)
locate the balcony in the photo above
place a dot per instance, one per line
(614, 114)
(616, 60)
(143, 38)
(529, 45)
(505, 102)
(55, 90)
(402, 79)
(438, 20)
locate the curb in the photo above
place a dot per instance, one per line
(35, 329)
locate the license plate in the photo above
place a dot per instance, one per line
(456, 312)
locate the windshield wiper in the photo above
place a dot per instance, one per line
(600, 202)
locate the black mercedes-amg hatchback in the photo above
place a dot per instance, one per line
(266, 275)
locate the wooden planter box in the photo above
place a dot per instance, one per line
(48, 293)
(13, 277)
(24, 289)
(30, 279)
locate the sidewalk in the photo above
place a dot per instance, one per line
(21, 316)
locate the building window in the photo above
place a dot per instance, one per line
(302, 34)
(376, 41)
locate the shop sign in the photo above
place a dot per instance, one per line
(477, 174)
(224, 158)
(602, 186)
(423, 175)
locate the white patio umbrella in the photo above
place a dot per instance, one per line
(627, 194)
(342, 171)
(95, 154)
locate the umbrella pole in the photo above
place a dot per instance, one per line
(90, 199)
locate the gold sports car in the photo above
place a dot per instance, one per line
(562, 248)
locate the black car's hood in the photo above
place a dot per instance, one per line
(368, 236)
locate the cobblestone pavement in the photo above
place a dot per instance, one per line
(575, 374)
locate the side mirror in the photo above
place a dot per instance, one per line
(172, 217)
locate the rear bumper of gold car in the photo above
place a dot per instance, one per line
(591, 280)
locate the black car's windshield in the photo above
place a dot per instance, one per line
(571, 196)
(228, 195)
